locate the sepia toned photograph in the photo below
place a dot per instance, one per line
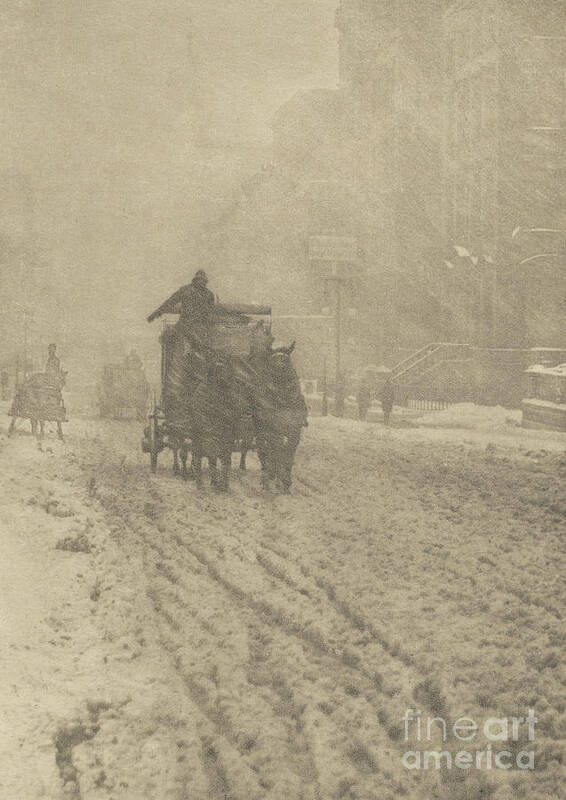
(282, 399)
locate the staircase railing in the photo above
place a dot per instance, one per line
(407, 372)
(408, 362)
(431, 353)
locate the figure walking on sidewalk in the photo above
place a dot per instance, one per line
(387, 397)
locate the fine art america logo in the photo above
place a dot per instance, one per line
(495, 742)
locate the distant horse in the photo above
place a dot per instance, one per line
(280, 413)
(39, 399)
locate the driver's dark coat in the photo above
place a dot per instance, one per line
(196, 306)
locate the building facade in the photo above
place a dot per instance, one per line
(504, 158)
(441, 152)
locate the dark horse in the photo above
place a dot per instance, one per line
(280, 413)
(217, 407)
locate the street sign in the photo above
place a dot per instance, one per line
(333, 248)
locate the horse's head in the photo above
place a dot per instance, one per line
(286, 350)
(282, 370)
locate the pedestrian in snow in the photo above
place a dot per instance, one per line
(364, 400)
(5, 384)
(340, 398)
(387, 396)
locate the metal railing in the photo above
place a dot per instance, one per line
(426, 404)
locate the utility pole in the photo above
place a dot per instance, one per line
(335, 251)
(337, 281)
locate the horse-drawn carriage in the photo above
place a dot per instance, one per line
(230, 393)
(39, 399)
(123, 392)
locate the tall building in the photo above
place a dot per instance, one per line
(391, 70)
(442, 153)
(504, 162)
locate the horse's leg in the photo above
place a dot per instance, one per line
(197, 463)
(243, 453)
(226, 463)
(41, 428)
(261, 455)
(184, 453)
(59, 430)
(264, 453)
(212, 468)
(176, 469)
(286, 464)
(269, 472)
(12, 427)
(38, 435)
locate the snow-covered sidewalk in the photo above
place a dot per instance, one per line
(83, 686)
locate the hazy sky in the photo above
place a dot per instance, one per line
(135, 119)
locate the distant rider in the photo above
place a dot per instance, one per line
(387, 397)
(5, 384)
(364, 400)
(53, 364)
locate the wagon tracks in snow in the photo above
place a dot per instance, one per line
(182, 575)
(296, 672)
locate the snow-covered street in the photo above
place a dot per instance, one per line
(161, 642)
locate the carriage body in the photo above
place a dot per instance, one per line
(232, 334)
(39, 398)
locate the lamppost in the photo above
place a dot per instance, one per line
(337, 281)
(337, 253)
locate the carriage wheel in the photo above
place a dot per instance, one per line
(153, 439)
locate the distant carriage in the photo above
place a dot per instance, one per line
(39, 398)
(215, 400)
(123, 392)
